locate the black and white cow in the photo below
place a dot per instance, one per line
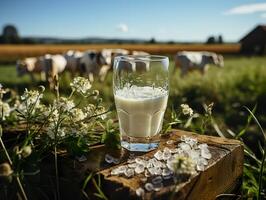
(110, 54)
(73, 62)
(54, 65)
(31, 66)
(48, 66)
(197, 60)
(93, 63)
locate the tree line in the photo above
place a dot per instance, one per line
(10, 35)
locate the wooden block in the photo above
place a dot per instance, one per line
(222, 175)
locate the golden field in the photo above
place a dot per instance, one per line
(9, 53)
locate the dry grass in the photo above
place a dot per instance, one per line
(13, 52)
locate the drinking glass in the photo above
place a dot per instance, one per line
(141, 88)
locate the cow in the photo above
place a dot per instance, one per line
(31, 66)
(93, 63)
(190, 60)
(48, 66)
(138, 64)
(140, 53)
(53, 65)
(142, 65)
(110, 54)
(73, 62)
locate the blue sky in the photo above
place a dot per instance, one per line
(190, 20)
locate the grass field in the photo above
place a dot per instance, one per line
(241, 82)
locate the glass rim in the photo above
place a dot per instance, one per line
(151, 58)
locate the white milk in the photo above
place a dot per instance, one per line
(140, 110)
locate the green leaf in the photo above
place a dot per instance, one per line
(111, 136)
(76, 145)
(263, 156)
(109, 124)
(87, 180)
(111, 139)
(257, 122)
(100, 192)
(243, 131)
(98, 195)
(250, 175)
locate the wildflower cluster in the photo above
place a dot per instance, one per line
(72, 117)
(184, 165)
(65, 118)
(186, 110)
(186, 117)
(64, 104)
(31, 97)
(7, 105)
(81, 85)
(69, 122)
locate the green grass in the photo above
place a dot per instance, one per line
(241, 82)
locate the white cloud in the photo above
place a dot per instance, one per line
(247, 9)
(122, 27)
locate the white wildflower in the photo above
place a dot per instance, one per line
(17, 103)
(186, 110)
(81, 85)
(4, 110)
(26, 151)
(140, 192)
(3, 91)
(31, 97)
(52, 114)
(65, 104)
(61, 132)
(100, 111)
(184, 165)
(42, 108)
(77, 114)
(209, 108)
(51, 131)
(21, 107)
(83, 129)
(90, 109)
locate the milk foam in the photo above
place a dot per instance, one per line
(146, 92)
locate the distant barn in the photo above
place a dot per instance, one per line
(255, 41)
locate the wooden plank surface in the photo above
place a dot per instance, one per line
(223, 173)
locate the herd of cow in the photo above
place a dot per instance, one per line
(93, 63)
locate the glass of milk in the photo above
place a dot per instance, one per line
(141, 88)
